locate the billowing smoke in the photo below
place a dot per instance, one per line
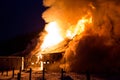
(99, 47)
(92, 52)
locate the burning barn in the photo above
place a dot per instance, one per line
(86, 30)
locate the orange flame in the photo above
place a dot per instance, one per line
(79, 28)
(53, 36)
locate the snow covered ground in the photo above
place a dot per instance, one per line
(37, 75)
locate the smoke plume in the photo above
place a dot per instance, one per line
(98, 48)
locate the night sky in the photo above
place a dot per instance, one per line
(19, 18)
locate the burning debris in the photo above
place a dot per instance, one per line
(86, 30)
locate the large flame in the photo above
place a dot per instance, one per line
(80, 26)
(53, 36)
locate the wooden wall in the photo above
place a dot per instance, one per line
(10, 62)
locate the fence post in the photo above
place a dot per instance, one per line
(20, 71)
(87, 75)
(2, 72)
(43, 74)
(18, 76)
(62, 72)
(7, 73)
(30, 75)
(13, 73)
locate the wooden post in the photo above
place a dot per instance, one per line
(62, 72)
(20, 71)
(13, 73)
(2, 72)
(87, 75)
(7, 73)
(18, 76)
(30, 75)
(43, 74)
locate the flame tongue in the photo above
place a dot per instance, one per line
(53, 36)
(80, 26)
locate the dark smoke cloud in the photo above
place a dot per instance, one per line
(99, 47)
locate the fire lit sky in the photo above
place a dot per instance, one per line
(93, 27)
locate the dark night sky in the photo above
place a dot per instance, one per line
(19, 18)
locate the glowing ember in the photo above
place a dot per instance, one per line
(32, 63)
(53, 36)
